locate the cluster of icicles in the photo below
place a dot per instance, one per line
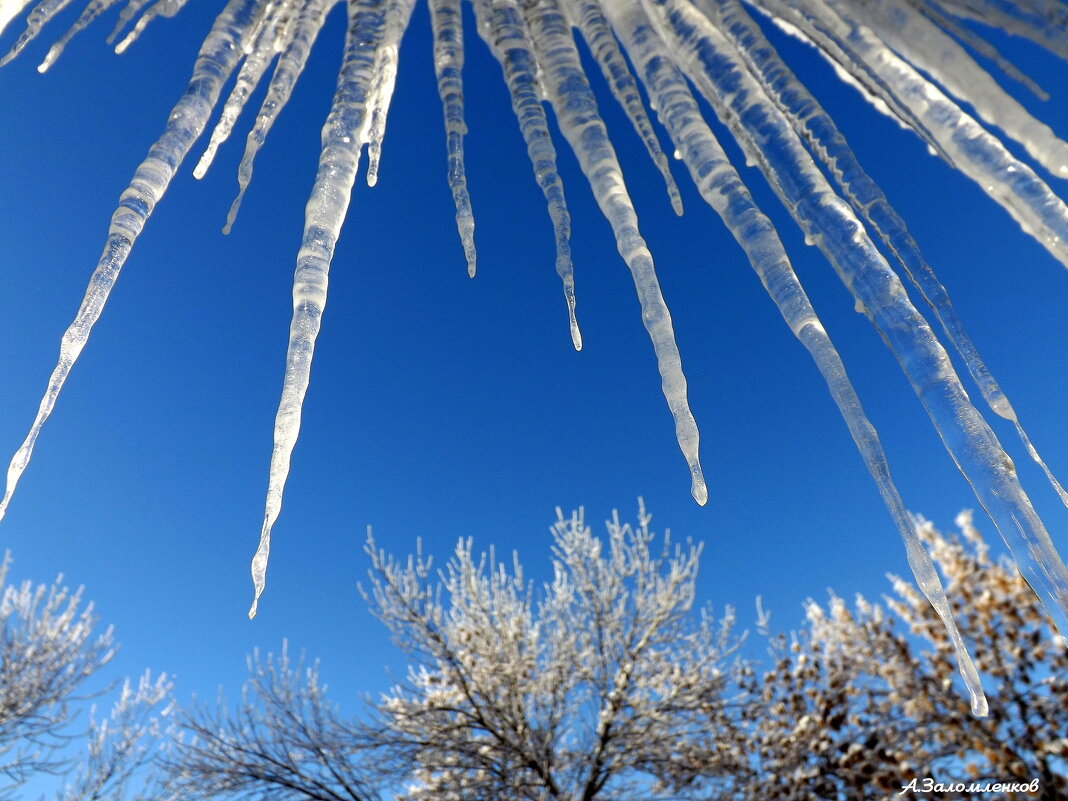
(888, 48)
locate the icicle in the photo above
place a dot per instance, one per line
(723, 190)
(9, 9)
(979, 45)
(811, 29)
(130, 11)
(344, 134)
(927, 48)
(736, 96)
(290, 64)
(269, 40)
(602, 43)
(161, 8)
(217, 58)
(91, 12)
(962, 141)
(510, 42)
(42, 13)
(398, 13)
(1027, 20)
(815, 125)
(447, 22)
(576, 112)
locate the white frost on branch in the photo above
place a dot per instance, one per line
(563, 691)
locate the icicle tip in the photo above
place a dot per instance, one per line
(699, 490)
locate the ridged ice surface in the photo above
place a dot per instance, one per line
(576, 111)
(37, 19)
(910, 58)
(955, 135)
(589, 17)
(290, 64)
(384, 79)
(723, 190)
(914, 37)
(446, 19)
(828, 221)
(827, 143)
(217, 59)
(344, 134)
(501, 25)
(271, 36)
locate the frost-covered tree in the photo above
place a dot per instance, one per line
(585, 688)
(284, 740)
(606, 683)
(862, 700)
(579, 691)
(48, 655)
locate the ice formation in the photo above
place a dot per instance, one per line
(908, 57)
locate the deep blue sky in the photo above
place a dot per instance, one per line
(443, 407)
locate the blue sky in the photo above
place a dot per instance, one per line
(441, 406)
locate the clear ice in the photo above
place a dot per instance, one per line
(910, 58)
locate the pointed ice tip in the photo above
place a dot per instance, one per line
(699, 491)
(980, 709)
(252, 609)
(676, 202)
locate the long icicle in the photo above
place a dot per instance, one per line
(576, 111)
(501, 24)
(37, 19)
(1013, 18)
(398, 14)
(959, 138)
(829, 222)
(161, 8)
(793, 20)
(826, 141)
(980, 45)
(289, 67)
(91, 12)
(217, 58)
(158, 9)
(914, 37)
(344, 134)
(271, 37)
(723, 190)
(129, 11)
(602, 43)
(446, 20)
